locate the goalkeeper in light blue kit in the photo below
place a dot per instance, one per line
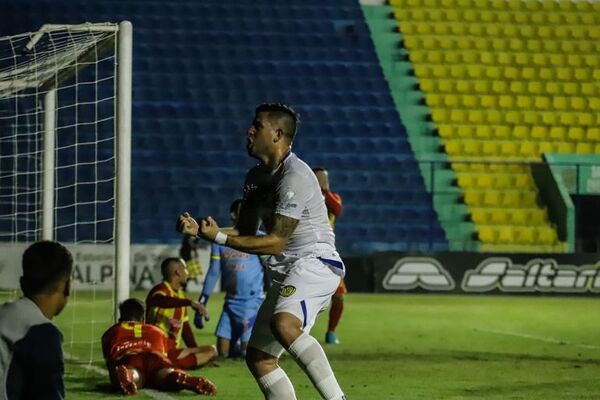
(242, 279)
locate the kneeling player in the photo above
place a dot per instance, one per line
(136, 356)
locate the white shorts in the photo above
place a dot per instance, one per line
(304, 291)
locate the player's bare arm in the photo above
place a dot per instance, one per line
(272, 243)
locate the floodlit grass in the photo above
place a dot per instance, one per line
(401, 347)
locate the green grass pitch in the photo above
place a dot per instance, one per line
(401, 347)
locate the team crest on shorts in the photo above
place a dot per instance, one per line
(287, 290)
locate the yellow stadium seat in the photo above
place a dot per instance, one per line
(546, 74)
(434, 100)
(506, 234)
(476, 116)
(513, 117)
(594, 103)
(539, 132)
(518, 87)
(440, 28)
(575, 133)
(529, 150)
(553, 88)
(466, 180)
(440, 115)
(586, 119)
(504, 101)
(550, 118)
(481, 87)
(520, 132)
(508, 149)
(542, 102)
(526, 235)
(491, 198)
(446, 86)
(523, 181)
(568, 118)
(546, 147)
(546, 235)
(489, 101)
(528, 73)
(458, 116)
(486, 234)
(560, 102)
(427, 85)
(535, 87)
(484, 181)
(532, 117)
(499, 87)
(571, 88)
(558, 133)
(465, 131)
(564, 147)
(471, 148)
(578, 103)
(564, 74)
(484, 131)
(584, 148)
(524, 102)
(452, 147)
(593, 134)
(464, 86)
(470, 101)
(489, 148)
(479, 215)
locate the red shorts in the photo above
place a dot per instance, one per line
(147, 364)
(341, 290)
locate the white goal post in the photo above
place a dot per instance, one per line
(65, 139)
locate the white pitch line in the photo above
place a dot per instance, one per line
(150, 392)
(540, 338)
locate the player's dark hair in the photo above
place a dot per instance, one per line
(44, 264)
(319, 169)
(284, 115)
(131, 310)
(164, 266)
(235, 205)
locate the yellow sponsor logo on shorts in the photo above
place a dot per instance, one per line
(287, 290)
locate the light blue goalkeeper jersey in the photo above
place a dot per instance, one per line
(242, 274)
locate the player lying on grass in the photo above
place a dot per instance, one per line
(167, 309)
(136, 356)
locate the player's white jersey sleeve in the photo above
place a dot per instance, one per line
(298, 196)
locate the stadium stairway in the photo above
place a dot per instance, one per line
(506, 81)
(199, 70)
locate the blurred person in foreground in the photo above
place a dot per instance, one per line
(31, 356)
(167, 309)
(242, 279)
(282, 194)
(136, 356)
(333, 202)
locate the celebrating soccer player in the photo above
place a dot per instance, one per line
(283, 194)
(167, 309)
(136, 356)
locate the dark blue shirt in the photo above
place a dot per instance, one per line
(31, 357)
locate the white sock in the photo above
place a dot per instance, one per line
(277, 386)
(309, 354)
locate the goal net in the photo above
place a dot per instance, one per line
(65, 117)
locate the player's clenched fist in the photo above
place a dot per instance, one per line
(187, 225)
(208, 228)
